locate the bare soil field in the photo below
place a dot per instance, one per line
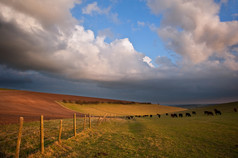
(30, 105)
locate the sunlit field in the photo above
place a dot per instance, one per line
(196, 136)
(120, 109)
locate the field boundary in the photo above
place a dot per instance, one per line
(65, 107)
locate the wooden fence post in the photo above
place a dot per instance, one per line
(42, 134)
(60, 131)
(89, 116)
(74, 124)
(98, 120)
(104, 117)
(84, 124)
(19, 138)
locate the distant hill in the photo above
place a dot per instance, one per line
(191, 106)
(30, 105)
(224, 107)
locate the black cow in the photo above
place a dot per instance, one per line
(180, 115)
(151, 115)
(235, 109)
(166, 114)
(193, 112)
(174, 115)
(158, 115)
(208, 113)
(129, 117)
(217, 112)
(188, 114)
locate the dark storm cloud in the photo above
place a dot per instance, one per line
(172, 91)
(12, 78)
(46, 50)
(21, 51)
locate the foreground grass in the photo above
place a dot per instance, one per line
(198, 136)
(120, 109)
(30, 142)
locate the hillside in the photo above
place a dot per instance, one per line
(196, 136)
(30, 105)
(224, 107)
(121, 109)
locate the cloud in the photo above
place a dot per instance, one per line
(68, 50)
(147, 60)
(235, 15)
(106, 33)
(193, 30)
(49, 42)
(93, 8)
(141, 23)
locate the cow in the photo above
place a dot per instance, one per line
(129, 117)
(235, 109)
(174, 115)
(166, 114)
(158, 115)
(217, 112)
(193, 112)
(188, 114)
(208, 113)
(180, 115)
(151, 115)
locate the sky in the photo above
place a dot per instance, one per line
(166, 52)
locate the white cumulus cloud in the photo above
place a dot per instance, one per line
(62, 49)
(193, 30)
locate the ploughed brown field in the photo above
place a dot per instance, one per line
(30, 105)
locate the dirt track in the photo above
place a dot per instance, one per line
(30, 105)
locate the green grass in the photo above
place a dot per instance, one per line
(31, 135)
(120, 109)
(195, 137)
(199, 136)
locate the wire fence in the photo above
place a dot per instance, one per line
(30, 139)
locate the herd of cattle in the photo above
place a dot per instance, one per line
(217, 112)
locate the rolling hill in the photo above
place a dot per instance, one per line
(30, 105)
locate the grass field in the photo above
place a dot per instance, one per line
(200, 136)
(196, 136)
(30, 142)
(121, 109)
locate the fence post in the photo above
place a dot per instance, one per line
(74, 124)
(60, 131)
(84, 124)
(89, 116)
(98, 121)
(19, 138)
(42, 134)
(104, 117)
